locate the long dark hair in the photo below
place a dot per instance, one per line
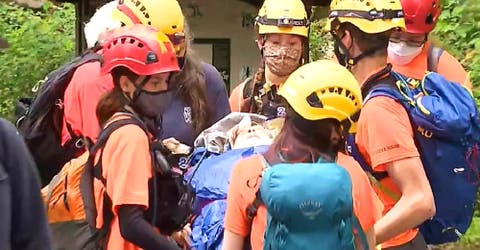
(191, 87)
(114, 100)
(302, 140)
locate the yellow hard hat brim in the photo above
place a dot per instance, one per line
(267, 29)
(370, 27)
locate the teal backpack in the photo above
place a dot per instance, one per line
(309, 206)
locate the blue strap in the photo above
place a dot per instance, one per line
(353, 151)
(360, 232)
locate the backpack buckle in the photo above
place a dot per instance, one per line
(59, 103)
(80, 143)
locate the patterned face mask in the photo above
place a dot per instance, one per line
(281, 61)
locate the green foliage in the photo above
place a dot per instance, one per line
(39, 42)
(472, 237)
(321, 42)
(458, 31)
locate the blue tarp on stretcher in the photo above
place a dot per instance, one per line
(210, 182)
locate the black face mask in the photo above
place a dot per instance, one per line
(341, 52)
(151, 104)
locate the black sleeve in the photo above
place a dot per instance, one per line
(134, 228)
(28, 224)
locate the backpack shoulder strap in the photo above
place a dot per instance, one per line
(252, 209)
(103, 137)
(360, 233)
(247, 90)
(374, 176)
(433, 57)
(246, 99)
(353, 151)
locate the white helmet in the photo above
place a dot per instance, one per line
(100, 23)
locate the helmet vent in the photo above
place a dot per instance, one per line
(429, 19)
(123, 40)
(314, 101)
(132, 41)
(140, 45)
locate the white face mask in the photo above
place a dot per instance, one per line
(401, 54)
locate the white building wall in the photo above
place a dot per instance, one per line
(226, 19)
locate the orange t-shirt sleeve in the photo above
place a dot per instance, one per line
(385, 134)
(236, 98)
(236, 220)
(451, 68)
(127, 161)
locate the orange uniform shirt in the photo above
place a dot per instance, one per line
(384, 132)
(366, 205)
(448, 66)
(81, 98)
(236, 97)
(126, 165)
(385, 135)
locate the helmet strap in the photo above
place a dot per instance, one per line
(353, 61)
(340, 50)
(139, 88)
(344, 56)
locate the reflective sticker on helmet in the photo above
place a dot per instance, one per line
(151, 57)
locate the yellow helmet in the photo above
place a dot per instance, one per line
(283, 17)
(370, 16)
(324, 89)
(164, 15)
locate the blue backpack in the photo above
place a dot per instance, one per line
(446, 127)
(309, 205)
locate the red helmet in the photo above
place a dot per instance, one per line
(421, 15)
(141, 49)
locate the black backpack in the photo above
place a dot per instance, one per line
(40, 119)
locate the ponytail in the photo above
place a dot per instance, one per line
(110, 103)
(249, 104)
